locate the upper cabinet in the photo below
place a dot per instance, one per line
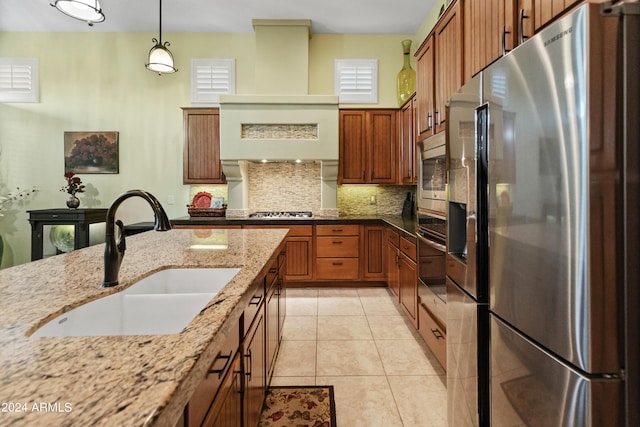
(201, 156)
(493, 28)
(408, 165)
(546, 10)
(439, 75)
(368, 147)
(425, 89)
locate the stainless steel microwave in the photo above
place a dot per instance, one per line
(432, 176)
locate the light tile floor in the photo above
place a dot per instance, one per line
(359, 341)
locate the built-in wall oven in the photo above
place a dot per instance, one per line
(432, 235)
(432, 176)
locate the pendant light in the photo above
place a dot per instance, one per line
(84, 10)
(160, 59)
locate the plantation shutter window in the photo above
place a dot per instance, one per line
(19, 80)
(356, 80)
(210, 78)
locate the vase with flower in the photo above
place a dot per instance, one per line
(74, 185)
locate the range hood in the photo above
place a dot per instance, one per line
(281, 121)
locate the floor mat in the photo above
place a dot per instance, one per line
(299, 406)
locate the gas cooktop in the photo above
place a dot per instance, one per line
(281, 215)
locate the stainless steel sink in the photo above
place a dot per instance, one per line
(160, 304)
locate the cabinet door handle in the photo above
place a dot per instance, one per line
(437, 122)
(429, 117)
(437, 334)
(521, 36)
(248, 370)
(336, 263)
(227, 359)
(255, 300)
(504, 41)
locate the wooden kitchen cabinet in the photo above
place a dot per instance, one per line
(201, 155)
(439, 71)
(337, 249)
(227, 408)
(255, 384)
(493, 28)
(425, 89)
(408, 277)
(448, 61)
(298, 252)
(204, 395)
(408, 159)
(368, 143)
(275, 311)
(392, 252)
(373, 251)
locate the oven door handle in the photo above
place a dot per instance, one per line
(431, 243)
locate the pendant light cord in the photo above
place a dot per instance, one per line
(160, 25)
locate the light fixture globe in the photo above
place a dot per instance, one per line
(160, 58)
(88, 11)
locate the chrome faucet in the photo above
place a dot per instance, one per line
(114, 250)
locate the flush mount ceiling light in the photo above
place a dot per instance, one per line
(84, 10)
(160, 59)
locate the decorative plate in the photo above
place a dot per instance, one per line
(62, 237)
(202, 200)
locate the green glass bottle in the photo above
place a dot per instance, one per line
(406, 80)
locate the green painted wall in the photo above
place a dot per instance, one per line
(98, 82)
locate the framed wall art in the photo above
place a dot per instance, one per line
(91, 152)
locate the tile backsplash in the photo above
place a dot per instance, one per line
(372, 199)
(285, 186)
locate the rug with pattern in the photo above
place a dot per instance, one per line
(299, 406)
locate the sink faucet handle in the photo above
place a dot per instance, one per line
(121, 243)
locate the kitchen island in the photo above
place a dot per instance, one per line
(118, 380)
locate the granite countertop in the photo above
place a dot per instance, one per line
(408, 225)
(117, 380)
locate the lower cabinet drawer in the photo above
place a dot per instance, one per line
(205, 393)
(337, 247)
(337, 268)
(433, 334)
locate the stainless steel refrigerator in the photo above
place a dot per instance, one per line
(543, 221)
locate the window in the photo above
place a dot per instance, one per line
(356, 81)
(19, 80)
(210, 78)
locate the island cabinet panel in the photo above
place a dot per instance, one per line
(255, 384)
(227, 409)
(204, 395)
(298, 252)
(373, 253)
(201, 156)
(368, 141)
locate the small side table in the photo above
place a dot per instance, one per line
(79, 218)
